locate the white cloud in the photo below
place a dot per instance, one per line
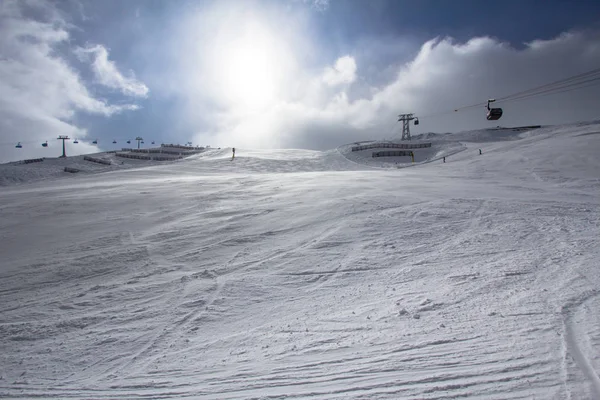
(344, 71)
(319, 5)
(107, 74)
(40, 93)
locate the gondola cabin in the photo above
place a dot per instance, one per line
(416, 121)
(493, 114)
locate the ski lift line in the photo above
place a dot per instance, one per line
(556, 83)
(454, 110)
(36, 142)
(46, 143)
(550, 90)
(392, 130)
(22, 142)
(555, 92)
(543, 90)
(572, 86)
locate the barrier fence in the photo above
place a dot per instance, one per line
(148, 157)
(392, 153)
(33, 160)
(97, 160)
(391, 146)
(178, 146)
(176, 150)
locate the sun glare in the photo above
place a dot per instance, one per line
(250, 67)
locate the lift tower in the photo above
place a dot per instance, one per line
(139, 139)
(405, 118)
(63, 138)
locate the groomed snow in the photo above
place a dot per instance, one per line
(308, 275)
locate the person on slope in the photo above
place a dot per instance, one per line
(233, 155)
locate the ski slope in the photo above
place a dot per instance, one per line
(307, 275)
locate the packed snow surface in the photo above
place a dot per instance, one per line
(308, 275)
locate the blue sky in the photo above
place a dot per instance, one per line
(286, 73)
(515, 21)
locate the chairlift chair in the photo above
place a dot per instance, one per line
(493, 114)
(114, 142)
(153, 142)
(95, 141)
(75, 141)
(45, 144)
(18, 146)
(129, 141)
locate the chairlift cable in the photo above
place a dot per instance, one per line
(559, 89)
(553, 84)
(579, 81)
(556, 92)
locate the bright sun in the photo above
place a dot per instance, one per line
(249, 67)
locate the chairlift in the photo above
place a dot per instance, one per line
(493, 113)
(114, 142)
(129, 141)
(153, 142)
(18, 146)
(75, 141)
(95, 141)
(45, 144)
(416, 121)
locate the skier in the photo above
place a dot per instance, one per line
(233, 150)
(479, 151)
(444, 159)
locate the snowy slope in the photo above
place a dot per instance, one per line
(299, 274)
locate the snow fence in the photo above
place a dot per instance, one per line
(391, 146)
(397, 153)
(97, 160)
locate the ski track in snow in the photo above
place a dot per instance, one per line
(306, 275)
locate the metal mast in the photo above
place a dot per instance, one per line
(63, 138)
(405, 118)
